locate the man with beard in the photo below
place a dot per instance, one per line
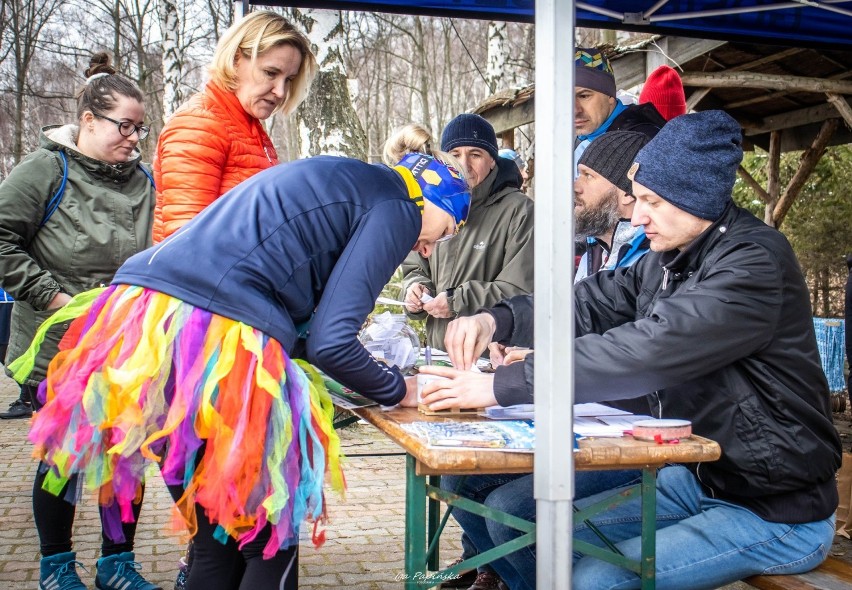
(603, 204)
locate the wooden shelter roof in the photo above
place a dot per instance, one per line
(765, 87)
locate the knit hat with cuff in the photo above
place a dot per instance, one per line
(692, 162)
(593, 71)
(612, 154)
(469, 130)
(664, 90)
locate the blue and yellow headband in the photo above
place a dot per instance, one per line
(437, 182)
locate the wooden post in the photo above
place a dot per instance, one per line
(773, 185)
(842, 107)
(810, 157)
(752, 182)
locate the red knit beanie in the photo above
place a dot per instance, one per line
(664, 90)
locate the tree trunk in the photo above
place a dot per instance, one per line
(27, 17)
(221, 15)
(422, 75)
(498, 55)
(327, 122)
(173, 95)
(115, 12)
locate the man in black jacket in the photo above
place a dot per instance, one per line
(714, 326)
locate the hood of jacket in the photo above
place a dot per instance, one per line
(503, 179)
(64, 138)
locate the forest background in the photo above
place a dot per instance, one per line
(378, 72)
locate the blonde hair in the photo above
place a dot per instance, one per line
(255, 34)
(414, 137)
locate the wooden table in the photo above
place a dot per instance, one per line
(425, 465)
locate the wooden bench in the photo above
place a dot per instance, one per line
(833, 574)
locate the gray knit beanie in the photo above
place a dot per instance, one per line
(692, 162)
(468, 130)
(611, 155)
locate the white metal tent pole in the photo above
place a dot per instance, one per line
(554, 292)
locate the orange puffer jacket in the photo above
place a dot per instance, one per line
(208, 147)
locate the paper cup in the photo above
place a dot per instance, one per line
(423, 380)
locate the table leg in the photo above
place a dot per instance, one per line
(649, 529)
(434, 508)
(415, 525)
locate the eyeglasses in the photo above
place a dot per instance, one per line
(450, 236)
(126, 128)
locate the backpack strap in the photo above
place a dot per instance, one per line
(148, 174)
(53, 203)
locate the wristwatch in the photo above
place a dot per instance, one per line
(449, 293)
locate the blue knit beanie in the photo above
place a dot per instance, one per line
(468, 130)
(692, 162)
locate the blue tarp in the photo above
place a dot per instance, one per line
(830, 341)
(824, 23)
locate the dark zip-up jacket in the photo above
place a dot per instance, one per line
(314, 239)
(720, 334)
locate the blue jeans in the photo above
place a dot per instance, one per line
(476, 488)
(702, 542)
(513, 494)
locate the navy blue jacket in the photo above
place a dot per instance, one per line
(319, 236)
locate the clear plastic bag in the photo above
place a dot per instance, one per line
(390, 339)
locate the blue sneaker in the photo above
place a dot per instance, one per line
(120, 572)
(59, 572)
(182, 575)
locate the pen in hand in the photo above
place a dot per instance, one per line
(428, 355)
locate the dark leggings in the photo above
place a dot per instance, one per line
(54, 519)
(226, 567)
(54, 515)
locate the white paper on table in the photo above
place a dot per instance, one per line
(605, 426)
(590, 426)
(594, 409)
(590, 410)
(624, 422)
(517, 412)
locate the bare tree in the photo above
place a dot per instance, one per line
(327, 122)
(27, 18)
(5, 48)
(498, 55)
(400, 69)
(170, 28)
(221, 14)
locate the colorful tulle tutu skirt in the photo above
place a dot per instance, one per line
(142, 377)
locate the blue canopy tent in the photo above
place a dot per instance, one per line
(823, 23)
(811, 23)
